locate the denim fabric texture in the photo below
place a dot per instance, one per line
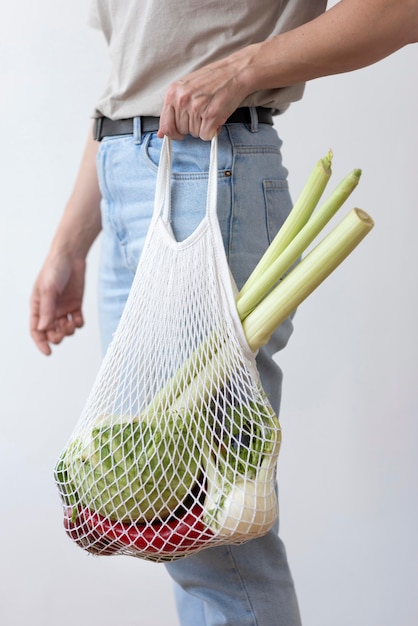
(249, 584)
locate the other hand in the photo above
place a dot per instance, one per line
(55, 305)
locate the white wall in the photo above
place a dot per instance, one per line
(348, 465)
(348, 468)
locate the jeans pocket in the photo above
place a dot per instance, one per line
(190, 157)
(278, 205)
(151, 149)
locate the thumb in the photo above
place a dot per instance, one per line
(47, 309)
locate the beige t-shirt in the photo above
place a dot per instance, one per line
(154, 42)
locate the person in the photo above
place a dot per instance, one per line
(189, 70)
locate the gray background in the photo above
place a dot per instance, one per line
(348, 465)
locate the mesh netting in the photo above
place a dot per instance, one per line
(176, 448)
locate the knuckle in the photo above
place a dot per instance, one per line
(169, 94)
(184, 101)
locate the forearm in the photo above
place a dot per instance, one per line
(81, 221)
(56, 300)
(350, 35)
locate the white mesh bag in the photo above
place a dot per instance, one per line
(176, 447)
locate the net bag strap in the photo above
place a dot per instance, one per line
(162, 201)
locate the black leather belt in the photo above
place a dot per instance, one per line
(105, 127)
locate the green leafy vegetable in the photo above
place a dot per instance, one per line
(133, 470)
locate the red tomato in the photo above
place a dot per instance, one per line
(165, 538)
(85, 536)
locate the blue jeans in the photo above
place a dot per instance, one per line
(250, 584)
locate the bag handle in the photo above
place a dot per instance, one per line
(162, 202)
(212, 193)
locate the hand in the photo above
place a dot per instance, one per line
(199, 103)
(56, 301)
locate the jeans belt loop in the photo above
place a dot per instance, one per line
(137, 130)
(254, 119)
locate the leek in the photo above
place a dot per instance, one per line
(250, 296)
(297, 218)
(305, 277)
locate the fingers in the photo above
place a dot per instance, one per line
(169, 124)
(41, 340)
(37, 326)
(201, 127)
(50, 323)
(197, 105)
(55, 331)
(53, 315)
(45, 306)
(177, 122)
(56, 301)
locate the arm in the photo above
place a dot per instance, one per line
(58, 291)
(351, 35)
